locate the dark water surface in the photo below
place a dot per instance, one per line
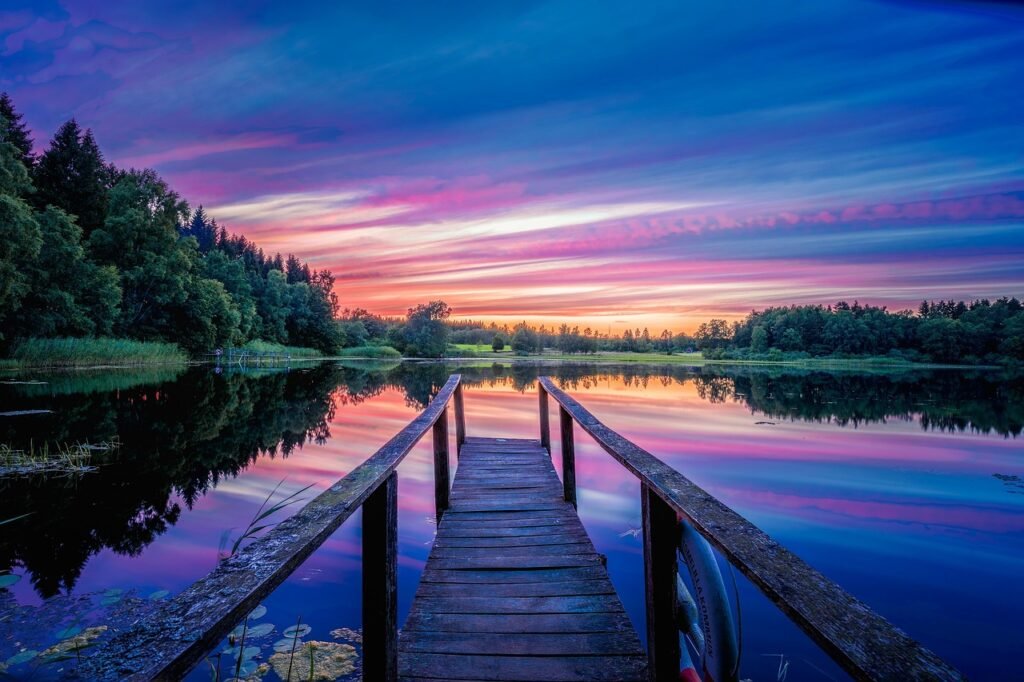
(906, 489)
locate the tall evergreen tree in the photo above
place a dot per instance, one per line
(72, 176)
(16, 131)
(203, 229)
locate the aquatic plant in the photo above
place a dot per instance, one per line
(61, 458)
(72, 644)
(326, 660)
(255, 525)
(15, 518)
(67, 352)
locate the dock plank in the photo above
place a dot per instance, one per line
(513, 588)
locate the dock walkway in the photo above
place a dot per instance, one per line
(514, 589)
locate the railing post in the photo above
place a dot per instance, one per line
(661, 539)
(568, 456)
(380, 582)
(545, 426)
(441, 475)
(460, 420)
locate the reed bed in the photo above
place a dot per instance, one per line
(60, 458)
(69, 352)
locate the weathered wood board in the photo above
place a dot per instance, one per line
(513, 588)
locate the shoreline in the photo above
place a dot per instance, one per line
(10, 366)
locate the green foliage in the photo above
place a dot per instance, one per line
(713, 334)
(72, 176)
(759, 340)
(571, 341)
(14, 131)
(498, 344)
(425, 333)
(117, 252)
(139, 238)
(942, 331)
(386, 352)
(209, 320)
(20, 243)
(261, 346)
(355, 333)
(525, 340)
(68, 295)
(68, 352)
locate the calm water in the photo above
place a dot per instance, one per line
(904, 488)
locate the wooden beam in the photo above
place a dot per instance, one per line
(661, 538)
(177, 635)
(442, 478)
(568, 456)
(866, 645)
(545, 426)
(460, 420)
(380, 583)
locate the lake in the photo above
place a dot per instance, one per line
(905, 488)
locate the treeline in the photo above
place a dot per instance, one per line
(91, 250)
(981, 331)
(525, 339)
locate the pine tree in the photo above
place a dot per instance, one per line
(15, 132)
(72, 176)
(203, 229)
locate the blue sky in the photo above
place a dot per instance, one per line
(656, 163)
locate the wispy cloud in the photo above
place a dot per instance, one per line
(573, 159)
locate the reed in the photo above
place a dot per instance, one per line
(70, 352)
(259, 346)
(60, 458)
(370, 352)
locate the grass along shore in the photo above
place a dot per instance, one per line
(485, 352)
(78, 353)
(68, 352)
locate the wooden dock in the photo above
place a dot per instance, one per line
(513, 588)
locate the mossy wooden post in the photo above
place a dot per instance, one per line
(380, 582)
(661, 537)
(568, 456)
(545, 425)
(460, 420)
(442, 479)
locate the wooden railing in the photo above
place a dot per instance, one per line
(169, 643)
(866, 645)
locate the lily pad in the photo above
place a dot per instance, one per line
(22, 657)
(247, 653)
(348, 635)
(297, 630)
(284, 646)
(253, 630)
(69, 631)
(247, 668)
(330, 661)
(258, 612)
(159, 594)
(83, 640)
(8, 579)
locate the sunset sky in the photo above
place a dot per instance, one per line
(609, 163)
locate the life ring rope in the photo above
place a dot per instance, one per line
(706, 620)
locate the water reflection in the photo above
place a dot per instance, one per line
(826, 462)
